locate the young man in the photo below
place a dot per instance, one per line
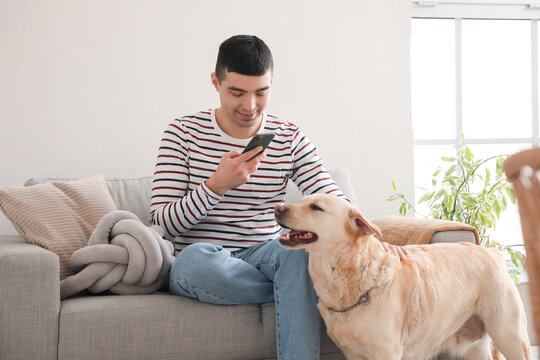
(219, 205)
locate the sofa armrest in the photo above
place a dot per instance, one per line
(29, 300)
(453, 236)
(400, 230)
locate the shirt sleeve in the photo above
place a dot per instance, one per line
(309, 174)
(173, 206)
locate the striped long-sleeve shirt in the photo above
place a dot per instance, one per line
(189, 154)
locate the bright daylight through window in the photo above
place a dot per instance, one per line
(474, 78)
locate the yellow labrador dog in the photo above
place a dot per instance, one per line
(443, 297)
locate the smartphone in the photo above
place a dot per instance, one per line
(262, 139)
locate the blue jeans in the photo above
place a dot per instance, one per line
(261, 273)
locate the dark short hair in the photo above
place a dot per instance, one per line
(243, 54)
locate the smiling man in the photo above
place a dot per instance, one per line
(218, 204)
(243, 98)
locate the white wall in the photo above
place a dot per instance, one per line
(88, 86)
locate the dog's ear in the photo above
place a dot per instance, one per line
(361, 225)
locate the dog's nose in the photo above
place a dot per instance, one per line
(280, 209)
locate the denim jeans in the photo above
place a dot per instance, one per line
(261, 273)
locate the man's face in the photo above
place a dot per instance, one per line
(243, 99)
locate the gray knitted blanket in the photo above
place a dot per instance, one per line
(123, 256)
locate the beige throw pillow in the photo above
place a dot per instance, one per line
(59, 216)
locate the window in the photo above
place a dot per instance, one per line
(474, 72)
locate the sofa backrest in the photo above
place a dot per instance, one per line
(133, 194)
(340, 176)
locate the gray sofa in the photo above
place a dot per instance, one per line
(36, 324)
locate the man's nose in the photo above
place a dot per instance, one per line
(250, 103)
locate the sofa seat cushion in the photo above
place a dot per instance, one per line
(159, 326)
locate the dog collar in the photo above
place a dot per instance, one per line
(363, 300)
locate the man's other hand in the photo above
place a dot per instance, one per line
(398, 251)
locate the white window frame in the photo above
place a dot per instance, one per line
(477, 9)
(485, 9)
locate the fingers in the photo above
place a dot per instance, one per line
(390, 249)
(234, 170)
(232, 154)
(252, 154)
(402, 252)
(398, 251)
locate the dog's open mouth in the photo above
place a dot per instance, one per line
(295, 237)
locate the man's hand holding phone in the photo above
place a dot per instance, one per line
(234, 170)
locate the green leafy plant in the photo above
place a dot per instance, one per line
(471, 191)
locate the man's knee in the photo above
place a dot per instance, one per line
(194, 252)
(298, 257)
(195, 260)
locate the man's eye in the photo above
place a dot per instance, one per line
(261, 94)
(236, 94)
(315, 207)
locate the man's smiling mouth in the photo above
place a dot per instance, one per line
(248, 116)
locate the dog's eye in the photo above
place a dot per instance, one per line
(315, 207)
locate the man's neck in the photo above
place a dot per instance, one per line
(233, 130)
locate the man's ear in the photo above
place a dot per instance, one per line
(361, 225)
(215, 81)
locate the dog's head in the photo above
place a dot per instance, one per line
(322, 222)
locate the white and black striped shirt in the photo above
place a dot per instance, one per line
(189, 154)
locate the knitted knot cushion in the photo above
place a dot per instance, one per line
(123, 256)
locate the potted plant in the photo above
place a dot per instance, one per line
(471, 191)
